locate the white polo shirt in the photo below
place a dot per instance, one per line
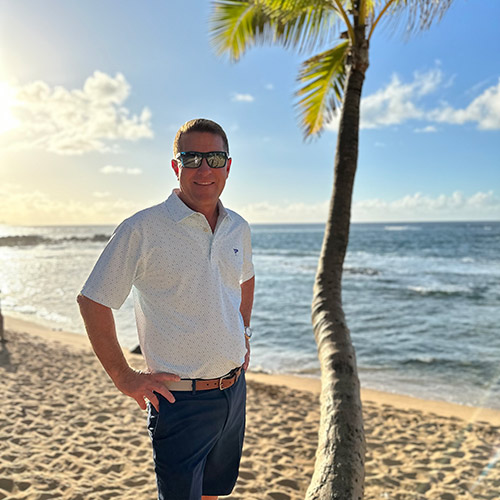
(186, 282)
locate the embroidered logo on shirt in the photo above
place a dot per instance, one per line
(235, 251)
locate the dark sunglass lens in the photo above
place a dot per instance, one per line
(216, 160)
(191, 161)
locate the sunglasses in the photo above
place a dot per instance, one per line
(193, 159)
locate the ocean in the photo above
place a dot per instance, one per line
(421, 299)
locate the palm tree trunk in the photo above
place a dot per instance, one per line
(339, 468)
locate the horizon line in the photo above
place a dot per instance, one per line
(399, 222)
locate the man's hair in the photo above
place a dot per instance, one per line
(200, 125)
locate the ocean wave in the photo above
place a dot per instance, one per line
(402, 228)
(275, 252)
(308, 266)
(35, 239)
(446, 364)
(365, 271)
(447, 290)
(422, 360)
(468, 260)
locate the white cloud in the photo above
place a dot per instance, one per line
(111, 169)
(415, 207)
(484, 110)
(412, 207)
(77, 121)
(19, 207)
(399, 102)
(479, 86)
(101, 194)
(114, 169)
(243, 98)
(287, 212)
(269, 86)
(426, 130)
(134, 171)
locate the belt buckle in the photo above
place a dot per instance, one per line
(228, 376)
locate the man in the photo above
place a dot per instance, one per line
(188, 261)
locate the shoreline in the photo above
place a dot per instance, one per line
(295, 382)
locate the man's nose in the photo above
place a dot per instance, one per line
(204, 168)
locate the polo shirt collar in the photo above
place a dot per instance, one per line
(179, 211)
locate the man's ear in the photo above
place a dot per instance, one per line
(175, 167)
(228, 166)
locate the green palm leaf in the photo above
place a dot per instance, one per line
(413, 16)
(322, 79)
(305, 24)
(237, 25)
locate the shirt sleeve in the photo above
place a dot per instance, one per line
(117, 268)
(248, 270)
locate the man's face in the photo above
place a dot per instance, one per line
(201, 187)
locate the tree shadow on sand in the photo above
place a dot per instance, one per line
(5, 358)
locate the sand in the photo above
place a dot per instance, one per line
(66, 432)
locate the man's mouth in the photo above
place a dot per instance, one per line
(204, 183)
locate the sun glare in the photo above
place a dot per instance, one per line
(7, 101)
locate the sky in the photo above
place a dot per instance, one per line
(92, 94)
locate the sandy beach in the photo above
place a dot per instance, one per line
(66, 432)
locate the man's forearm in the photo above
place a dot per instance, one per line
(247, 291)
(100, 326)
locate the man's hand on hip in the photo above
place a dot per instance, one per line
(141, 385)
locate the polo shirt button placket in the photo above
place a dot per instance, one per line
(212, 247)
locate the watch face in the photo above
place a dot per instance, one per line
(248, 332)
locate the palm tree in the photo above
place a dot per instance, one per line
(331, 79)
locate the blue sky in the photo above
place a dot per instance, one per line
(93, 93)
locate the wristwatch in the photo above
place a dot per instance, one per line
(248, 332)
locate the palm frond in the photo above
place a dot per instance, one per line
(237, 25)
(409, 17)
(322, 79)
(305, 24)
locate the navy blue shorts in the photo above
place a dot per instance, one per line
(197, 442)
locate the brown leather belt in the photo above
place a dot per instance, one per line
(221, 383)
